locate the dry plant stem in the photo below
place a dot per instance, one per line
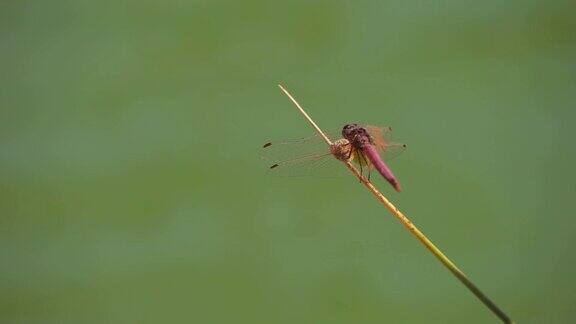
(410, 226)
(303, 112)
(430, 246)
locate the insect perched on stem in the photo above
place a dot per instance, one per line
(367, 146)
(359, 141)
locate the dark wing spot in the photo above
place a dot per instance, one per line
(266, 145)
(273, 166)
(404, 145)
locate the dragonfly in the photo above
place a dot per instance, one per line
(366, 146)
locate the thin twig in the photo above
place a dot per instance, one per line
(410, 226)
(328, 141)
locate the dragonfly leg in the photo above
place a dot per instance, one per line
(350, 152)
(360, 162)
(367, 167)
(368, 174)
(364, 164)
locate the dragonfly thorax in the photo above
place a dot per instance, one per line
(356, 135)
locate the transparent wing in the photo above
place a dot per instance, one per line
(383, 133)
(309, 156)
(382, 137)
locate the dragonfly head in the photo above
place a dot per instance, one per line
(342, 150)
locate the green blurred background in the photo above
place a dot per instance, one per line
(132, 189)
